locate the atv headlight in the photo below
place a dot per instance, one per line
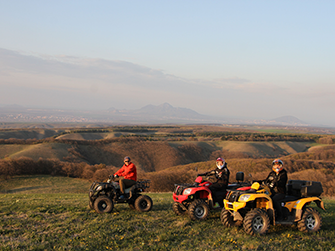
(244, 197)
(187, 191)
(99, 188)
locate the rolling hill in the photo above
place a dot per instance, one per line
(151, 156)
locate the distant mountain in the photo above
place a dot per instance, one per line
(167, 110)
(288, 120)
(149, 114)
(280, 121)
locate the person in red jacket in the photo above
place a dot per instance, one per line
(129, 174)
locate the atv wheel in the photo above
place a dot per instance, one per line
(256, 222)
(132, 205)
(91, 204)
(103, 204)
(198, 210)
(227, 219)
(177, 209)
(310, 221)
(143, 203)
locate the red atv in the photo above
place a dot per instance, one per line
(197, 199)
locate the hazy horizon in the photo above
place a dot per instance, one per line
(221, 58)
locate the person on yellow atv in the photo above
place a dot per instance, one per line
(276, 181)
(219, 187)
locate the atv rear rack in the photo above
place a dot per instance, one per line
(142, 184)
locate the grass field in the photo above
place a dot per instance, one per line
(43, 150)
(51, 213)
(60, 150)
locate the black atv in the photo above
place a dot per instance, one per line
(103, 195)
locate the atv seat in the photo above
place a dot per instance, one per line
(128, 189)
(290, 198)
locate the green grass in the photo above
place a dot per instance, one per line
(62, 221)
(43, 184)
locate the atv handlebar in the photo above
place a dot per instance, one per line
(210, 173)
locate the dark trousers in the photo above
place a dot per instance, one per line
(125, 183)
(276, 199)
(218, 193)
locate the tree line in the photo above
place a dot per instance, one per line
(224, 136)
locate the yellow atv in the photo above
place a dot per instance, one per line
(254, 208)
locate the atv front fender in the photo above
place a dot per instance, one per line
(234, 206)
(179, 198)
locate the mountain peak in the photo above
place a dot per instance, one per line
(166, 105)
(168, 111)
(289, 120)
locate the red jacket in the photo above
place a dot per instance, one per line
(128, 172)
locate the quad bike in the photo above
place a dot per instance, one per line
(254, 209)
(103, 196)
(197, 199)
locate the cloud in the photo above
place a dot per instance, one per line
(232, 81)
(71, 74)
(88, 83)
(107, 81)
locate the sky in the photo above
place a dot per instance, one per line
(237, 59)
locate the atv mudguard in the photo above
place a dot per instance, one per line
(300, 204)
(200, 192)
(262, 200)
(106, 188)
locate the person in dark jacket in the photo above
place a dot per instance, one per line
(218, 188)
(276, 181)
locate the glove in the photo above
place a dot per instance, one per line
(116, 176)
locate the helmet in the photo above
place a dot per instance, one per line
(223, 162)
(126, 158)
(275, 163)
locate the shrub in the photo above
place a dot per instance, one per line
(101, 175)
(164, 181)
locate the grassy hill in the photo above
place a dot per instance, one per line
(60, 219)
(265, 149)
(8, 150)
(29, 134)
(149, 155)
(44, 150)
(169, 154)
(86, 136)
(100, 136)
